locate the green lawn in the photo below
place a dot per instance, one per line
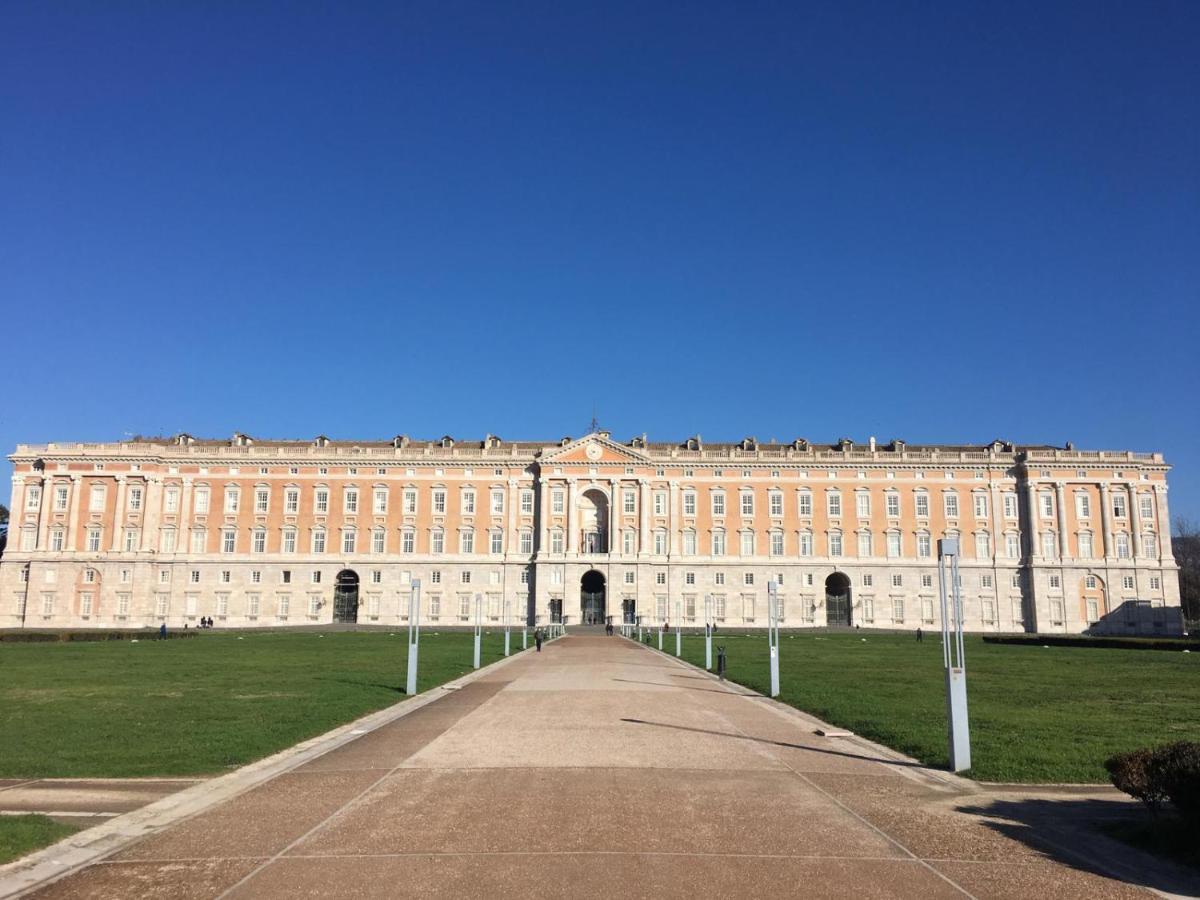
(1037, 714)
(207, 704)
(24, 834)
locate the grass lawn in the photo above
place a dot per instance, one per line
(1037, 715)
(24, 834)
(207, 704)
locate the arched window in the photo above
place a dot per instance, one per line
(776, 543)
(747, 543)
(806, 542)
(718, 542)
(689, 542)
(865, 543)
(835, 543)
(288, 542)
(1049, 544)
(379, 538)
(924, 545)
(895, 548)
(1086, 548)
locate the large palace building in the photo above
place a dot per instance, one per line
(267, 533)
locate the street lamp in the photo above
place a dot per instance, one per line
(953, 657)
(414, 635)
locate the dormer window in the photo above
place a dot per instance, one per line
(446, 442)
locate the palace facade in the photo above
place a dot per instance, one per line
(269, 533)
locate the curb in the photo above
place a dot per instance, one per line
(94, 844)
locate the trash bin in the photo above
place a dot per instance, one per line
(721, 663)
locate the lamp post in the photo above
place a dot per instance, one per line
(678, 632)
(773, 633)
(506, 628)
(708, 631)
(953, 657)
(478, 626)
(414, 635)
(639, 626)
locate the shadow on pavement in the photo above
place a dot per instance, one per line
(1069, 831)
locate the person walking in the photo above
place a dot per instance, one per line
(920, 634)
(162, 631)
(537, 639)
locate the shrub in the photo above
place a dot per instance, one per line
(1169, 773)
(1131, 772)
(1175, 769)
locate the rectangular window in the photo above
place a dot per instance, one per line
(868, 580)
(349, 538)
(557, 542)
(893, 505)
(1146, 506)
(85, 605)
(526, 502)
(253, 605)
(628, 501)
(897, 580)
(131, 539)
(1083, 505)
(526, 542)
(1056, 582)
(57, 539)
(408, 541)
(96, 499)
(289, 540)
(437, 542)
(1010, 505)
(983, 545)
(985, 581)
(747, 499)
(718, 503)
(833, 503)
(806, 543)
(926, 581)
(1155, 583)
(1085, 545)
(379, 501)
(262, 500)
(1123, 545)
(629, 576)
(689, 543)
(497, 502)
(777, 543)
(1012, 546)
(1049, 544)
(558, 502)
(468, 503)
(93, 540)
(951, 504)
(1127, 582)
(865, 547)
(135, 498)
(660, 503)
(835, 544)
(893, 544)
(61, 495)
(922, 502)
(228, 540)
(981, 505)
(291, 501)
(718, 543)
(1047, 504)
(232, 500)
(466, 541)
(1118, 502)
(628, 539)
(747, 543)
(897, 609)
(318, 541)
(862, 504)
(775, 504)
(924, 545)
(497, 542)
(259, 544)
(379, 540)
(989, 612)
(321, 501)
(805, 503)
(350, 500)
(439, 502)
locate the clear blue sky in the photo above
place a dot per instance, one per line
(941, 222)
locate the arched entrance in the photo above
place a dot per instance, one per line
(837, 599)
(593, 522)
(345, 597)
(591, 598)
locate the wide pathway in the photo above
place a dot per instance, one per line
(597, 768)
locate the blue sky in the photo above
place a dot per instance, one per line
(940, 222)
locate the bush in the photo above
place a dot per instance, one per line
(1169, 773)
(1176, 769)
(1131, 773)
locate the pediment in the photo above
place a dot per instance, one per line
(594, 450)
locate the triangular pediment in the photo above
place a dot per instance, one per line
(594, 449)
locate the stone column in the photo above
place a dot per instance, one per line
(152, 513)
(1032, 506)
(1064, 543)
(43, 513)
(643, 516)
(1106, 520)
(673, 522)
(614, 516)
(512, 542)
(118, 514)
(16, 511)
(76, 491)
(572, 517)
(1135, 520)
(1164, 525)
(543, 488)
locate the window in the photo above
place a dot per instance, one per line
(660, 577)
(526, 502)
(924, 545)
(980, 502)
(253, 605)
(228, 540)
(93, 540)
(868, 605)
(1155, 583)
(1149, 544)
(922, 503)
(439, 502)
(435, 577)
(806, 543)
(689, 543)
(865, 544)
(835, 543)
(96, 499)
(748, 579)
(379, 501)
(989, 612)
(466, 541)
(689, 503)
(983, 545)
(1090, 582)
(804, 499)
(437, 541)
(747, 503)
(526, 539)
(833, 503)
(57, 538)
(862, 504)
(288, 544)
(496, 542)
(628, 540)
(985, 581)
(199, 540)
(556, 541)
(1046, 503)
(464, 577)
(950, 502)
(660, 543)
(1127, 582)
(1085, 544)
(232, 499)
(321, 501)
(868, 580)
(1146, 506)
(894, 548)
(135, 498)
(775, 504)
(1056, 582)
(897, 609)
(61, 493)
(558, 502)
(897, 580)
(468, 502)
(660, 503)
(1049, 544)
(379, 539)
(893, 504)
(285, 577)
(629, 577)
(718, 503)
(719, 579)
(747, 543)
(318, 540)
(291, 501)
(262, 499)
(1012, 545)
(926, 581)
(1118, 503)
(1010, 505)
(718, 543)
(1123, 545)
(350, 501)
(497, 497)
(777, 543)
(408, 540)
(689, 578)
(131, 540)
(315, 577)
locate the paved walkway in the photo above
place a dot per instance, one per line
(78, 800)
(597, 768)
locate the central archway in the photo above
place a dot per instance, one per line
(837, 599)
(591, 598)
(345, 597)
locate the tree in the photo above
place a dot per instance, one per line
(1185, 545)
(3, 514)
